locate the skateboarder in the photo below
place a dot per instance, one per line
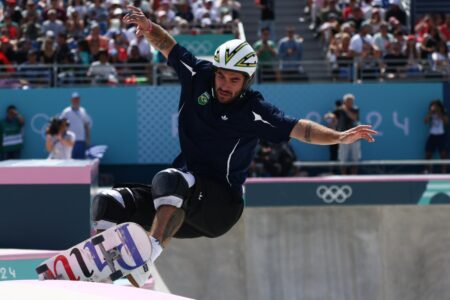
(220, 121)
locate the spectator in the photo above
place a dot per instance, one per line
(395, 25)
(349, 9)
(397, 12)
(102, 71)
(395, 61)
(31, 28)
(366, 53)
(207, 16)
(63, 53)
(75, 25)
(144, 5)
(98, 14)
(424, 25)
(290, 52)
(138, 66)
(12, 128)
(100, 41)
(275, 160)
(359, 40)
(184, 11)
(53, 24)
(429, 44)
(357, 17)
(331, 122)
(330, 8)
(48, 51)
(59, 141)
(56, 8)
(414, 67)
(31, 9)
(383, 39)
(341, 57)
(375, 21)
(444, 29)
(77, 6)
(267, 18)
(369, 7)
(80, 123)
(267, 56)
(11, 28)
(440, 59)
(437, 118)
(119, 48)
(229, 7)
(82, 54)
(136, 57)
(33, 71)
(329, 28)
(12, 9)
(166, 7)
(7, 55)
(143, 45)
(400, 38)
(347, 116)
(23, 48)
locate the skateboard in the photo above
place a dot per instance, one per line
(122, 250)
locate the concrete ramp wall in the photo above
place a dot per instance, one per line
(333, 253)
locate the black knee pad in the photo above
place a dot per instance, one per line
(115, 205)
(170, 187)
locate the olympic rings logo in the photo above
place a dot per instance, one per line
(334, 193)
(199, 47)
(39, 123)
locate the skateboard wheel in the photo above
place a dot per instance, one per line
(42, 269)
(116, 275)
(98, 240)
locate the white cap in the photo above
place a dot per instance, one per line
(75, 95)
(348, 96)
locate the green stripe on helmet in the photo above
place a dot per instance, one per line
(229, 56)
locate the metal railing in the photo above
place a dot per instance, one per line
(39, 75)
(414, 166)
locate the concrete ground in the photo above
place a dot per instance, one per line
(333, 253)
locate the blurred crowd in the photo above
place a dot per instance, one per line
(378, 37)
(91, 33)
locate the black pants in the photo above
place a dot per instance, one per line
(211, 209)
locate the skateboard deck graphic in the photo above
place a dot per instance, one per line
(107, 256)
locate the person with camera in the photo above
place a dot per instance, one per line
(266, 50)
(437, 118)
(59, 140)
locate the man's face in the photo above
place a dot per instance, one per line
(290, 33)
(11, 113)
(228, 85)
(75, 103)
(265, 34)
(348, 102)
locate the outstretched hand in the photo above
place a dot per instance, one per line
(356, 133)
(137, 17)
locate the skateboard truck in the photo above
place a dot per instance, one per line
(110, 256)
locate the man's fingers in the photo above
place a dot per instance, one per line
(364, 128)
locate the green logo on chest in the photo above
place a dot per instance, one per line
(203, 98)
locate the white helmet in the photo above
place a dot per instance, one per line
(236, 55)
